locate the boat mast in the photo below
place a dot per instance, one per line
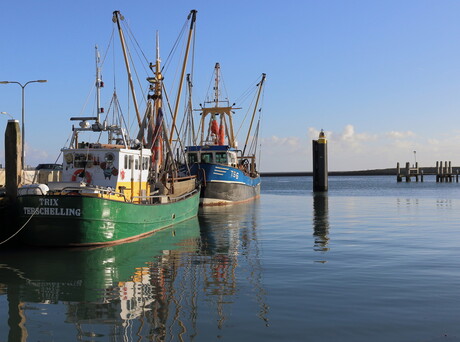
(218, 110)
(99, 85)
(192, 15)
(216, 86)
(158, 98)
(157, 87)
(190, 111)
(116, 19)
(254, 113)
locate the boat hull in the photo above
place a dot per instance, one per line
(223, 185)
(219, 193)
(85, 221)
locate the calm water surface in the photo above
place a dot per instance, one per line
(371, 260)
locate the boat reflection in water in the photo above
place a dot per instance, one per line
(321, 222)
(164, 286)
(229, 236)
(107, 287)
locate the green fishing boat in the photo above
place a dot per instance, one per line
(115, 191)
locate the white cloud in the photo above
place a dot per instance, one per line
(283, 154)
(35, 156)
(400, 135)
(351, 149)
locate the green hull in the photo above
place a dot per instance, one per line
(85, 221)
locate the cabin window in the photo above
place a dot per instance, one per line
(221, 157)
(206, 157)
(136, 164)
(126, 162)
(130, 164)
(192, 158)
(145, 165)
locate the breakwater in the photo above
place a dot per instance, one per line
(373, 172)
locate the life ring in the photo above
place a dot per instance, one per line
(78, 172)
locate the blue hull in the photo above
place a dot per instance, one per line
(222, 184)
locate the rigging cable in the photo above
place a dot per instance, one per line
(25, 224)
(246, 115)
(176, 43)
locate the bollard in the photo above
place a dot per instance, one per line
(320, 172)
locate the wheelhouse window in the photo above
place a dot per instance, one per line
(145, 164)
(130, 164)
(221, 157)
(192, 158)
(206, 157)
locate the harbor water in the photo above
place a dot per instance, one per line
(370, 260)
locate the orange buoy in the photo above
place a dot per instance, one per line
(214, 127)
(221, 134)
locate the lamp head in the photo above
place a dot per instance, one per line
(6, 113)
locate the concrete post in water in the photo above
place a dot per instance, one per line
(320, 172)
(408, 172)
(13, 165)
(437, 172)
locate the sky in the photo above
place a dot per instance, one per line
(381, 78)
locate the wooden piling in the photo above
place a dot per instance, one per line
(444, 172)
(13, 164)
(320, 172)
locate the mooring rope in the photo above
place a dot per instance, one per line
(25, 224)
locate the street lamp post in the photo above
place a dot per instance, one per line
(23, 126)
(5, 113)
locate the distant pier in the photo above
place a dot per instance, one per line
(409, 173)
(444, 172)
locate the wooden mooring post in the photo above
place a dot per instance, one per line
(409, 172)
(444, 172)
(320, 172)
(13, 165)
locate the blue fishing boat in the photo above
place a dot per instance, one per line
(228, 174)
